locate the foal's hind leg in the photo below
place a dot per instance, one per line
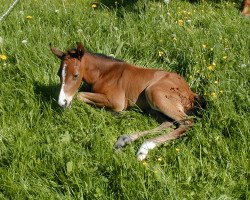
(123, 140)
(173, 109)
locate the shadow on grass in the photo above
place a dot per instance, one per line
(47, 94)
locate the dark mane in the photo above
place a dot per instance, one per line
(73, 53)
(106, 57)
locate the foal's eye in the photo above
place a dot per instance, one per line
(75, 76)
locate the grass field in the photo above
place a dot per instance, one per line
(48, 153)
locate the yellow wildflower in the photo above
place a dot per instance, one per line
(28, 17)
(211, 49)
(145, 163)
(94, 5)
(216, 82)
(211, 67)
(213, 94)
(180, 22)
(174, 39)
(3, 57)
(224, 57)
(204, 46)
(159, 159)
(161, 53)
(177, 149)
(221, 91)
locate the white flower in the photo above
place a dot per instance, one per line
(25, 41)
(1, 40)
(79, 31)
(167, 1)
(243, 65)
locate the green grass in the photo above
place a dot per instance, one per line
(47, 153)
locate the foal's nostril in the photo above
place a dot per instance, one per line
(65, 102)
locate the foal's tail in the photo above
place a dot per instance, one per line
(199, 105)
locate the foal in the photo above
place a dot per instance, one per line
(117, 85)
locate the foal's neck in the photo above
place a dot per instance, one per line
(94, 66)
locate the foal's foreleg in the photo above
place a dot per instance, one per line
(97, 99)
(116, 103)
(123, 140)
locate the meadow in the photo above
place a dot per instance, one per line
(49, 153)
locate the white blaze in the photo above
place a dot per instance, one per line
(63, 98)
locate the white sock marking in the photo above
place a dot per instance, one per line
(145, 147)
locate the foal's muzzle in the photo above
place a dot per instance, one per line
(64, 103)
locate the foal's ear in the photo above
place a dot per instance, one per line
(80, 50)
(57, 52)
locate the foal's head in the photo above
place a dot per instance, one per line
(69, 73)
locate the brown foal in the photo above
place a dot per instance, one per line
(117, 85)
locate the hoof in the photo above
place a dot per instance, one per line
(122, 141)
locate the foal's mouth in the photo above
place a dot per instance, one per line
(66, 104)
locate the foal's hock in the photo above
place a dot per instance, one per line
(118, 85)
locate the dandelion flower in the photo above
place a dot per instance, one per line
(160, 53)
(159, 159)
(3, 57)
(213, 94)
(94, 5)
(180, 22)
(211, 67)
(28, 17)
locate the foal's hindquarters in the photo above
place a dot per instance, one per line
(171, 96)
